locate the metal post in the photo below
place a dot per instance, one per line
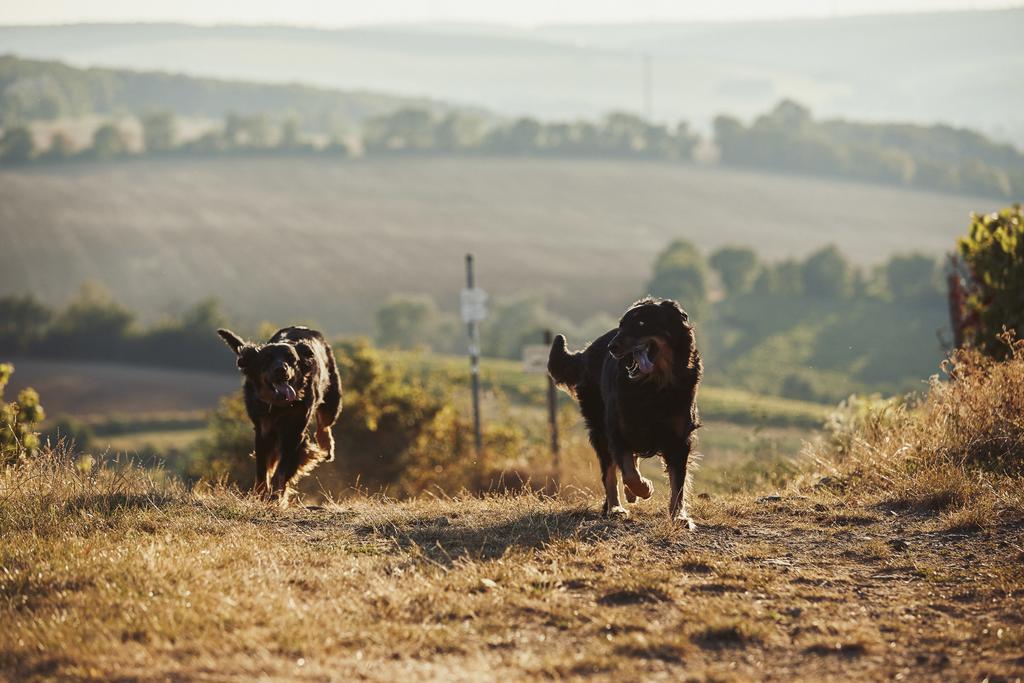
(553, 414)
(474, 362)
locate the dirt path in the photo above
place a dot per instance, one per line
(506, 588)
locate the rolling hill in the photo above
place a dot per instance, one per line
(956, 67)
(33, 90)
(328, 241)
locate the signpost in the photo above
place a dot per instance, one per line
(473, 306)
(535, 361)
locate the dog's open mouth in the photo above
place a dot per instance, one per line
(284, 391)
(640, 363)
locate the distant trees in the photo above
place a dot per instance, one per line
(108, 142)
(737, 267)
(827, 274)
(159, 132)
(911, 277)
(680, 273)
(937, 157)
(17, 146)
(408, 321)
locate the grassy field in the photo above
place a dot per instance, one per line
(109, 575)
(292, 240)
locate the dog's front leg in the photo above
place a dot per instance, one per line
(636, 484)
(292, 447)
(676, 459)
(264, 448)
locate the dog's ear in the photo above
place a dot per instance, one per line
(307, 354)
(247, 354)
(233, 341)
(678, 316)
(245, 351)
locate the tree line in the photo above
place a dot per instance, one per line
(786, 139)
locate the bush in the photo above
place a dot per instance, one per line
(18, 420)
(993, 252)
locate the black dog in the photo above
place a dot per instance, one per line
(637, 390)
(291, 385)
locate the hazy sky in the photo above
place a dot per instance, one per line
(520, 12)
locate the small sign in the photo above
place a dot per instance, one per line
(535, 359)
(473, 305)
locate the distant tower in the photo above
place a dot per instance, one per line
(648, 89)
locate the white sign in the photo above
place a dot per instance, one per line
(535, 358)
(473, 305)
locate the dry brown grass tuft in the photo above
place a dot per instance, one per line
(957, 453)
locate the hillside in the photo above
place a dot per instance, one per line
(323, 241)
(46, 90)
(121, 577)
(932, 68)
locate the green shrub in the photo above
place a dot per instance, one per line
(993, 252)
(18, 420)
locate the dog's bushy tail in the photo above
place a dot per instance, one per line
(564, 367)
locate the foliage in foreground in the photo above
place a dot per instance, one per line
(18, 420)
(958, 451)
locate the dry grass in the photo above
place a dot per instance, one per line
(957, 453)
(120, 574)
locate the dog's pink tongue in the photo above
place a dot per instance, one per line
(644, 363)
(286, 390)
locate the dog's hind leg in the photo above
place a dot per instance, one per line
(324, 437)
(610, 478)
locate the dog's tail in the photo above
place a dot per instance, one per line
(564, 367)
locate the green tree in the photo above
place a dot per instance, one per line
(92, 325)
(993, 251)
(291, 139)
(108, 142)
(159, 131)
(680, 273)
(410, 130)
(17, 146)
(911, 277)
(737, 266)
(407, 321)
(18, 420)
(22, 322)
(61, 147)
(827, 274)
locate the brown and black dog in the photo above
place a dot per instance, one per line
(637, 390)
(291, 386)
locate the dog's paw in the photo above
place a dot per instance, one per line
(617, 512)
(684, 522)
(640, 487)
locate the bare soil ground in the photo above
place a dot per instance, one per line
(119, 579)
